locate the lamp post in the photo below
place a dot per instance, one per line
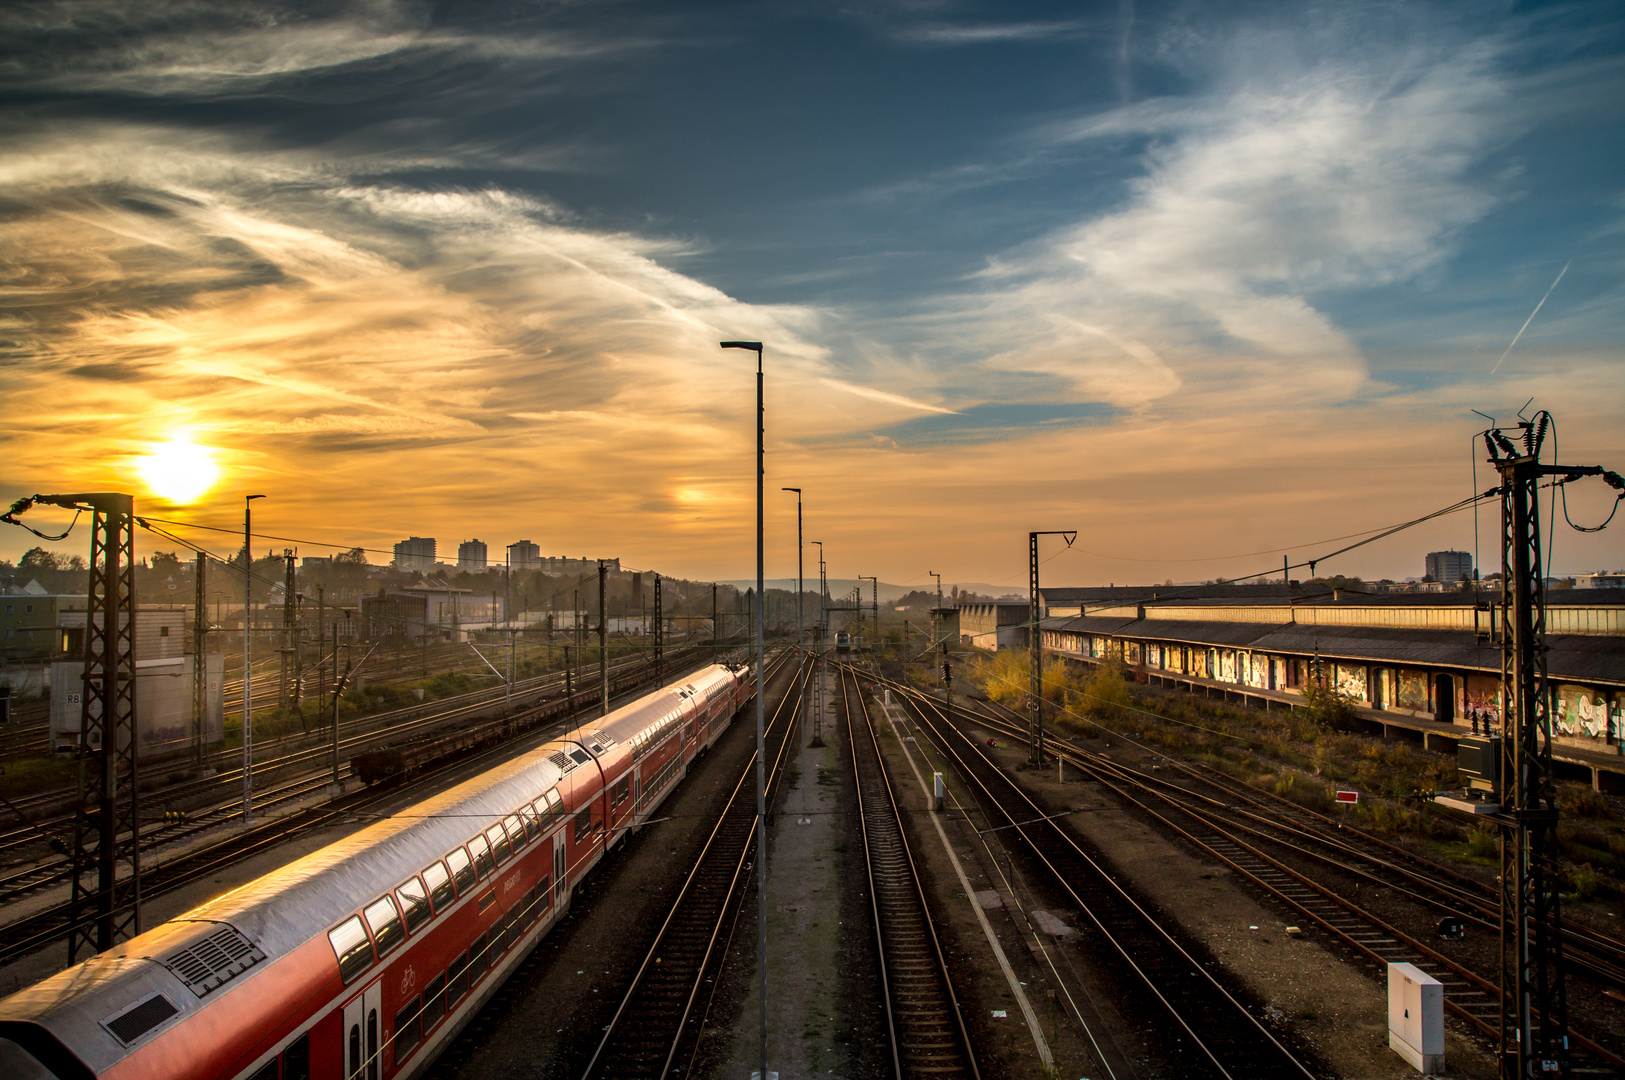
(761, 694)
(801, 646)
(818, 702)
(1035, 637)
(248, 685)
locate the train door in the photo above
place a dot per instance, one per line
(360, 1046)
(561, 884)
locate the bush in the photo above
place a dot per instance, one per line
(1328, 708)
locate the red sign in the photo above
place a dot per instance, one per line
(1348, 796)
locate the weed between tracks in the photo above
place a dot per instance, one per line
(1302, 755)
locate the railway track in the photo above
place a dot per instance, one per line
(659, 1019)
(41, 928)
(1277, 845)
(924, 1022)
(1212, 1033)
(355, 733)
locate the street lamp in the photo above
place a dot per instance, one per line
(801, 646)
(1035, 635)
(761, 695)
(248, 686)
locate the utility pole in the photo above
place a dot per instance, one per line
(1534, 1001)
(108, 792)
(290, 614)
(200, 667)
(660, 633)
(321, 646)
(1035, 638)
(716, 628)
(248, 651)
(507, 622)
(874, 645)
(603, 638)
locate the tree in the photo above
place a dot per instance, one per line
(166, 562)
(37, 558)
(75, 562)
(353, 557)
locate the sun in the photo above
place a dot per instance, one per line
(179, 471)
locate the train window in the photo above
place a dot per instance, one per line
(266, 1071)
(499, 843)
(621, 791)
(482, 856)
(584, 824)
(527, 909)
(296, 1059)
(533, 827)
(414, 900)
(434, 1001)
(385, 923)
(457, 986)
(556, 804)
(514, 930)
(462, 871)
(516, 831)
(439, 882)
(496, 944)
(408, 1028)
(478, 960)
(350, 944)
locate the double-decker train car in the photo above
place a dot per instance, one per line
(363, 959)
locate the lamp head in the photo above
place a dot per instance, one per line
(754, 346)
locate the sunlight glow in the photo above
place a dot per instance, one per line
(179, 471)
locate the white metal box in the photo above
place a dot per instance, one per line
(1416, 1017)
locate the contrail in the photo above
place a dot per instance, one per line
(1531, 319)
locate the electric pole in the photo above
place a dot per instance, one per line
(603, 638)
(1035, 639)
(200, 667)
(660, 632)
(875, 583)
(1534, 1001)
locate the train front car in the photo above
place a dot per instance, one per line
(368, 956)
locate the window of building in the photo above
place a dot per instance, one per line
(414, 900)
(385, 923)
(350, 945)
(28, 609)
(462, 871)
(163, 631)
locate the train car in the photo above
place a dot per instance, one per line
(843, 642)
(364, 959)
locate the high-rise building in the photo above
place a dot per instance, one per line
(415, 553)
(471, 555)
(1449, 566)
(524, 555)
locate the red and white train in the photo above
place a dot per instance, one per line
(364, 959)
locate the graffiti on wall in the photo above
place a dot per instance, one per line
(1581, 713)
(1413, 690)
(1350, 679)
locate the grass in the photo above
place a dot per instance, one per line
(30, 776)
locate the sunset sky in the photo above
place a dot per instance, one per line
(1195, 280)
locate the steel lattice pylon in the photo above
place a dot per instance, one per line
(659, 630)
(1534, 999)
(107, 825)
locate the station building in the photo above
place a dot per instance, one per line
(1419, 665)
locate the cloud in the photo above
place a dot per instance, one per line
(889, 398)
(1204, 284)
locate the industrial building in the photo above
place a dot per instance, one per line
(471, 556)
(999, 624)
(416, 553)
(166, 725)
(1428, 663)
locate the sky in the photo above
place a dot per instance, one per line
(1202, 282)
